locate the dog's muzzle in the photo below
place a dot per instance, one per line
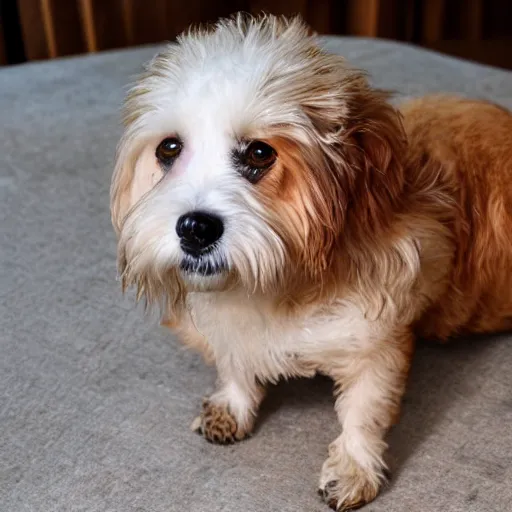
(199, 232)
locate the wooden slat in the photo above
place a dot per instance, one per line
(433, 17)
(192, 12)
(131, 22)
(69, 37)
(391, 19)
(180, 16)
(144, 25)
(61, 21)
(320, 16)
(33, 30)
(50, 28)
(376, 18)
(89, 25)
(363, 17)
(474, 24)
(103, 25)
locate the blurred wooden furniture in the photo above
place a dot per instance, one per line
(3, 58)
(472, 29)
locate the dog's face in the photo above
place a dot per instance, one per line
(241, 160)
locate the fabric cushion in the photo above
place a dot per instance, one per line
(96, 400)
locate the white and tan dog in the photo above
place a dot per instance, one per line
(289, 222)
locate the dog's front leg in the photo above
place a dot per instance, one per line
(370, 385)
(228, 415)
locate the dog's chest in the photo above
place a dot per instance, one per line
(246, 332)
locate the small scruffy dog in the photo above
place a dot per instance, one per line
(289, 221)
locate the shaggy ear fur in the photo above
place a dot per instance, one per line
(373, 151)
(121, 184)
(374, 146)
(362, 135)
(359, 175)
(138, 109)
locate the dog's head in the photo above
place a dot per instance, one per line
(251, 158)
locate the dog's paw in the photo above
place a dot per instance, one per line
(217, 425)
(346, 486)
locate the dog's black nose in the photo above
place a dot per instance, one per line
(198, 231)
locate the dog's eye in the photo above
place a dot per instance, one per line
(260, 155)
(168, 150)
(255, 160)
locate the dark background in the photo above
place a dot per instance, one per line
(480, 30)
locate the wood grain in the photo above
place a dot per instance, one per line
(433, 17)
(88, 25)
(52, 28)
(363, 17)
(320, 16)
(103, 24)
(143, 25)
(474, 17)
(33, 30)
(61, 19)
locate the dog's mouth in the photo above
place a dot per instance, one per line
(203, 265)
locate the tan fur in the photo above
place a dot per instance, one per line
(390, 225)
(471, 143)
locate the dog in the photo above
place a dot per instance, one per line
(289, 221)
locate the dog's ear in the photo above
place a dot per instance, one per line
(364, 144)
(374, 146)
(136, 173)
(364, 140)
(127, 184)
(121, 184)
(362, 184)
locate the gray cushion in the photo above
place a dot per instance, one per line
(96, 401)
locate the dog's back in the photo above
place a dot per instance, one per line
(468, 145)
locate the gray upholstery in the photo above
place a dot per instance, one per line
(96, 401)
